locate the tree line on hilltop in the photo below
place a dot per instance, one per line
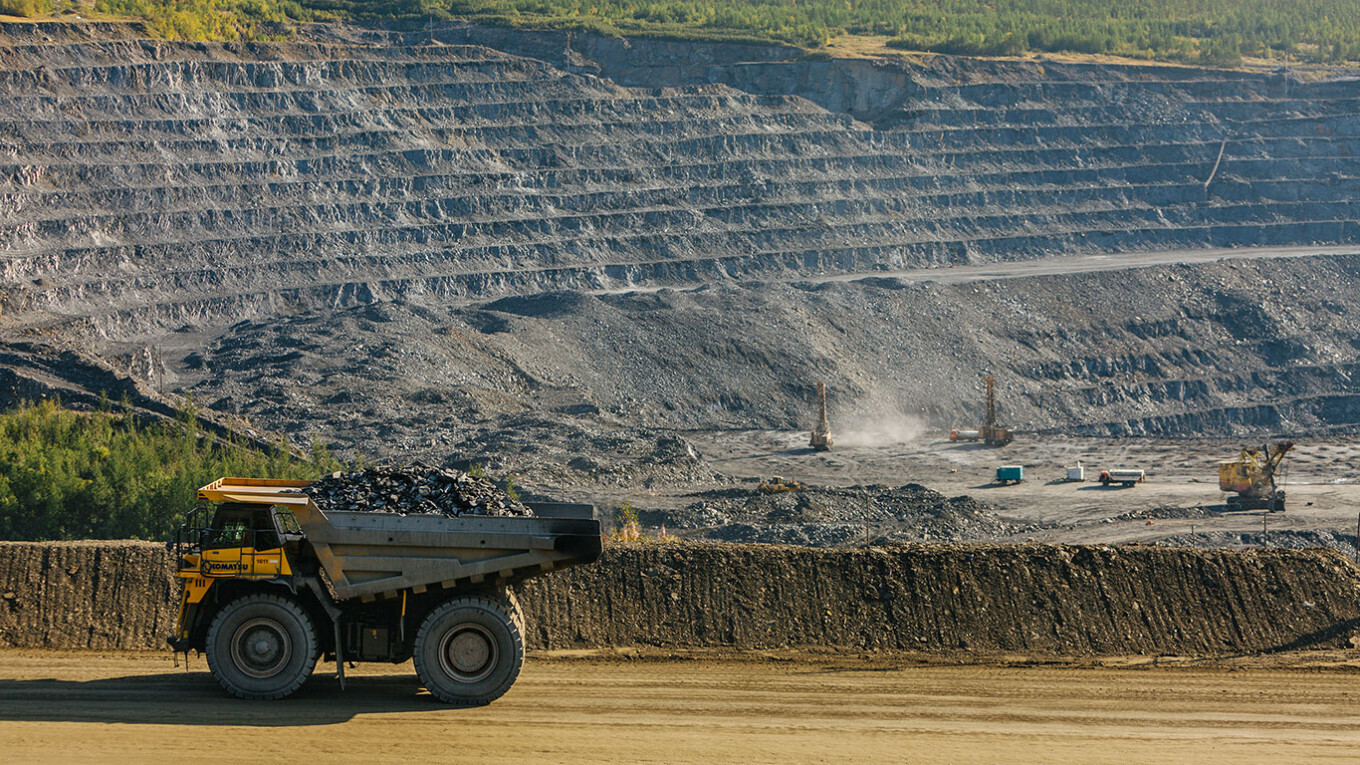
(1215, 32)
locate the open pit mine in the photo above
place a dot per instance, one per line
(900, 365)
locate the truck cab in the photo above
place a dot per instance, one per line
(247, 540)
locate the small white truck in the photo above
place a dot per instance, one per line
(1125, 476)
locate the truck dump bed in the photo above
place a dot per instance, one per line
(377, 554)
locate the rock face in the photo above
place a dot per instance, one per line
(929, 598)
(380, 239)
(156, 184)
(414, 490)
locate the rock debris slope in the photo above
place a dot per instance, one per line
(1213, 349)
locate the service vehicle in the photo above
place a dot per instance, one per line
(1122, 476)
(1008, 474)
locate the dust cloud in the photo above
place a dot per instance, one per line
(875, 426)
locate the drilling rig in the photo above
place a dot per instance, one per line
(1252, 477)
(821, 434)
(991, 433)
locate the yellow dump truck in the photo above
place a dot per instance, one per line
(272, 584)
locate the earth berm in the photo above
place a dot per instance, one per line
(946, 599)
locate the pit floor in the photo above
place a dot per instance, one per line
(1321, 478)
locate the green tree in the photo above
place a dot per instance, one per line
(104, 475)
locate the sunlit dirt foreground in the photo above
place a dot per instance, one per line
(711, 708)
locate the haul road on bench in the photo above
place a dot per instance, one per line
(274, 583)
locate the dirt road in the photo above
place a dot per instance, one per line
(67, 707)
(1021, 269)
(1082, 264)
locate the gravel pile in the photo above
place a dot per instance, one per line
(415, 490)
(1283, 538)
(1166, 512)
(586, 450)
(830, 517)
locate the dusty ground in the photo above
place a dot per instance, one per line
(66, 707)
(1321, 478)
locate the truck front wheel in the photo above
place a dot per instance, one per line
(261, 647)
(469, 651)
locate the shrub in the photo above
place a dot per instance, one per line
(629, 528)
(27, 8)
(1208, 31)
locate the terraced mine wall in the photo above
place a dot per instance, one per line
(165, 206)
(946, 598)
(149, 184)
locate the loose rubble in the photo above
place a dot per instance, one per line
(1166, 512)
(1289, 539)
(415, 490)
(831, 517)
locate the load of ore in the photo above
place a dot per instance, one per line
(415, 490)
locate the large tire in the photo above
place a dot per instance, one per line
(261, 647)
(469, 651)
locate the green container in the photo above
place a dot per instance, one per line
(1010, 473)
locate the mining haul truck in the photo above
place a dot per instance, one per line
(271, 584)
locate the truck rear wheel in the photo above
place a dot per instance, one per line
(516, 613)
(469, 651)
(261, 647)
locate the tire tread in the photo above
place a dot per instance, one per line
(310, 644)
(505, 611)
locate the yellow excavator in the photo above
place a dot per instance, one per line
(778, 484)
(1251, 478)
